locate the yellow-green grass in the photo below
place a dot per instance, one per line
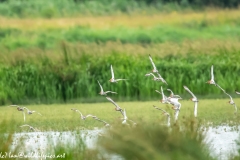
(60, 117)
(210, 47)
(212, 16)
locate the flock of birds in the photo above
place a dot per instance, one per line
(172, 99)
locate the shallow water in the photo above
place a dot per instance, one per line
(222, 140)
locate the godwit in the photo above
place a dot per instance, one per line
(31, 112)
(172, 95)
(30, 127)
(164, 98)
(237, 92)
(165, 113)
(194, 99)
(105, 123)
(212, 81)
(117, 108)
(231, 102)
(20, 109)
(125, 118)
(113, 80)
(156, 78)
(104, 93)
(82, 116)
(154, 67)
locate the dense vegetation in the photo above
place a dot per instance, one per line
(59, 8)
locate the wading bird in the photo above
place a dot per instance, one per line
(212, 81)
(125, 118)
(232, 102)
(82, 116)
(172, 95)
(117, 107)
(154, 67)
(164, 98)
(105, 123)
(166, 114)
(30, 127)
(113, 80)
(156, 78)
(31, 112)
(194, 99)
(21, 109)
(104, 93)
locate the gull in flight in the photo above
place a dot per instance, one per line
(125, 118)
(82, 116)
(172, 95)
(159, 78)
(232, 102)
(237, 92)
(154, 67)
(194, 99)
(20, 109)
(166, 114)
(104, 93)
(212, 81)
(30, 127)
(117, 107)
(113, 80)
(164, 98)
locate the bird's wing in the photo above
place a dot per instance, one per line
(120, 79)
(100, 86)
(152, 62)
(159, 75)
(112, 72)
(220, 87)
(158, 91)
(159, 109)
(212, 75)
(96, 118)
(229, 96)
(235, 108)
(108, 98)
(14, 105)
(89, 115)
(24, 116)
(124, 114)
(170, 91)
(186, 88)
(163, 96)
(110, 92)
(25, 125)
(177, 96)
(237, 92)
(76, 110)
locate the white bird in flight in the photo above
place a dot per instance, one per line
(194, 99)
(172, 95)
(154, 67)
(31, 112)
(117, 107)
(164, 98)
(113, 80)
(82, 116)
(159, 78)
(212, 81)
(232, 102)
(30, 127)
(104, 93)
(166, 114)
(21, 109)
(125, 118)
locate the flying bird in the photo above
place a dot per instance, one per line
(125, 118)
(172, 95)
(30, 127)
(154, 67)
(194, 99)
(105, 123)
(212, 81)
(113, 80)
(31, 112)
(81, 115)
(117, 107)
(166, 114)
(104, 93)
(159, 78)
(21, 109)
(232, 102)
